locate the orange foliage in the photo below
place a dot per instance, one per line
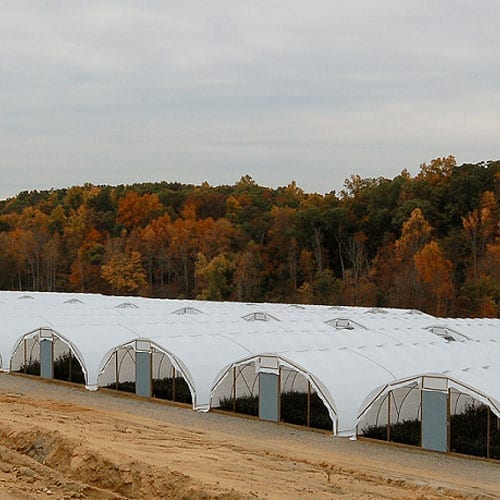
(136, 210)
(436, 271)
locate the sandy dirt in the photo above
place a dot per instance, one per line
(58, 441)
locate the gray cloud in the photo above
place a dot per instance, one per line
(122, 91)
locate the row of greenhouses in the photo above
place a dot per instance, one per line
(393, 374)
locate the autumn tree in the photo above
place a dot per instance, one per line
(324, 288)
(414, 234)
(480, 293)
(214, 236)
(183, 249)
(394, 267)
(51, 256)
(248, 274)
(155, 242)
(33, 250)
(136, 210)
(438, 170)
(480, 228)
(214, 278)
(17, 247)
(357, 288)
(125, 274)
(435, 270)
(86, 267)
(282, 251)
(312, 220)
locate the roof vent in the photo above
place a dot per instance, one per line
(447, 333)
(73, 301)
(186, 310)
(376, 310)
(127, 305)
(25, 297)
(414, 312)
(259, 316)
(344, 324)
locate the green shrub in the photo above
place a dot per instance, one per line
(31, 367)
(294, 410)
(467, 432)
(406, 432)
(247, 405)
(127, 386)
(66, 367)
(163, 389)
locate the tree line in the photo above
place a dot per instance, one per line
(429, 241)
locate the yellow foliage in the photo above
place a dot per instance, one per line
(125, 273)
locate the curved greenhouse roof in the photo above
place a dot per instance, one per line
(348, 353)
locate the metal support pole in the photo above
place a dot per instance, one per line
(421, 414)
(308, 417)
(173, 383)
(234, 389)
(25, 367)
(389, 416)
(279, 395)
(488, 431)
(448, 422)
(117, 373)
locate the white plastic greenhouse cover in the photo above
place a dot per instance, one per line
(349, 353)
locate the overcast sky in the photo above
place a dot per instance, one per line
(314, 91)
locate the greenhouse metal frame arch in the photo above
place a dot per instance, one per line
(271, 364)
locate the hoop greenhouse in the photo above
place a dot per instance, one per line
(348, 368)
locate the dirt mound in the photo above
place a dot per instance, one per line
(78, 472)
(23, 477)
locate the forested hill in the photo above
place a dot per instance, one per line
(428, 242)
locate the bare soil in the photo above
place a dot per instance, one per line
(60, 441)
